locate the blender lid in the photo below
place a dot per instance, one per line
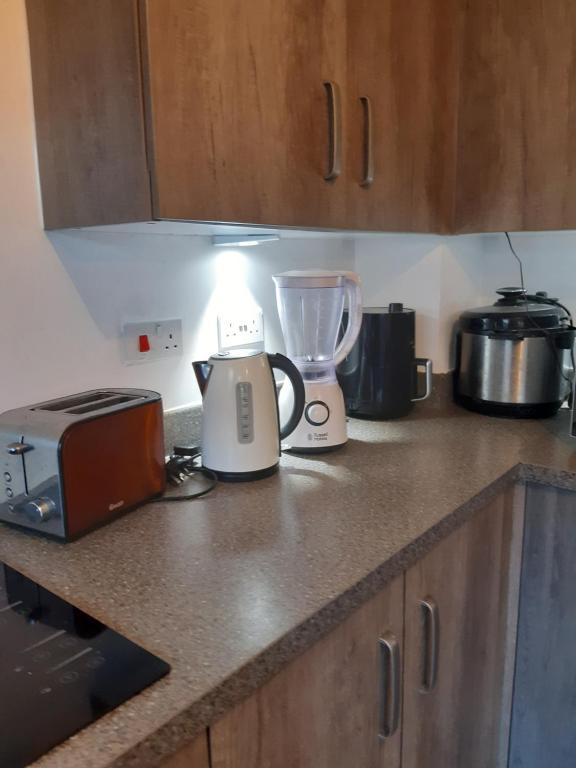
(516, 311)
(310, 278)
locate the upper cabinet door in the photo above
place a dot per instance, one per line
(336, 706)
(461, 613)
(401, 101)
(87, 84)
(517, 135)
(243, 125)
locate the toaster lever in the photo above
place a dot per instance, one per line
(17, 449)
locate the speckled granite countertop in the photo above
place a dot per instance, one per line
(230, 588)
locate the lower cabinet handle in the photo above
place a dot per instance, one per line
(368, 178)
(389, 686)
(335, 131)
(431, 623)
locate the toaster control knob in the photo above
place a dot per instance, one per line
(317, 413)
(40, 510)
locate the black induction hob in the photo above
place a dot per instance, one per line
(60, 669)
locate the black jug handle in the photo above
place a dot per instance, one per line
(282, 363)
(423, 362)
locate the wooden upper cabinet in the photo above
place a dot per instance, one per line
(238, 110)
(448, 116)
(401, 102)
(329, 707)
(517, 135)
(235, 111)
(460, 629)
(89, 114)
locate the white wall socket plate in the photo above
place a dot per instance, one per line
(162, 337)
(241, 328)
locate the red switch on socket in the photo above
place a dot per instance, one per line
(144, 343)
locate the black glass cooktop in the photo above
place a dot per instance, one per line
(60, 669)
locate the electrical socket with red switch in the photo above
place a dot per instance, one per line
(143, 342)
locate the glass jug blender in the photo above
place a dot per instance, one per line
(310, 305)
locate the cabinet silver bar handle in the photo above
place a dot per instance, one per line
(389, 686)
(368, 178)
(431, 622)
(335, 131)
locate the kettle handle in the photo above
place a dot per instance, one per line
(282, 363)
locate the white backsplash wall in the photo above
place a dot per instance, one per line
(64, 296)
(439, 277)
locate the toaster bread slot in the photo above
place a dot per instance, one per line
(118, 400)
(87, 403)
(65, 403)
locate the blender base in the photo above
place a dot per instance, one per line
(313, 451)
(322, 427)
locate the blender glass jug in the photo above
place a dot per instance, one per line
(310, 305)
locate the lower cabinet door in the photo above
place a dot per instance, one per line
(336, 706)
(544, 711)
(195, 755)
(460, 632)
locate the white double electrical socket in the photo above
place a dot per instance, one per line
(153, 340)
(241, 328)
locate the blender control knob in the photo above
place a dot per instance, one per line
(40, 510)
(317, 413)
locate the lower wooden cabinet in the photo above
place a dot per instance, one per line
(460, 622)
(195, 755)
(327, 709)
(544, 711)
(419, 677)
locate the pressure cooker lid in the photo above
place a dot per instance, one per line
(516, 310)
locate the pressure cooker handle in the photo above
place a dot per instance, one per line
(282, 363)
(423, 362)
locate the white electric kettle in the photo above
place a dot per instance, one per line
(240, 423)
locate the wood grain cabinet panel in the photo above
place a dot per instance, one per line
(239, 120)
(402, 66)
(195, 755)
(544, 712)
(324, 710)
(517, 116)
(89, 112)
(217, 110)
(462, 719)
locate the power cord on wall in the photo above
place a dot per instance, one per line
(535, 299)
(519, 260)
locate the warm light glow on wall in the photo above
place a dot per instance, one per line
(230, 294)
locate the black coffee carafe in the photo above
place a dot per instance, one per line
(379, 378)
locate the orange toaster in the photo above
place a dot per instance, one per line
(72, 464)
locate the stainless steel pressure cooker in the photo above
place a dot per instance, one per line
(515, 358)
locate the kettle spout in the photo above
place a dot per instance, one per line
(202, 370)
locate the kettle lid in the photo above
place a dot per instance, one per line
(235, 354)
